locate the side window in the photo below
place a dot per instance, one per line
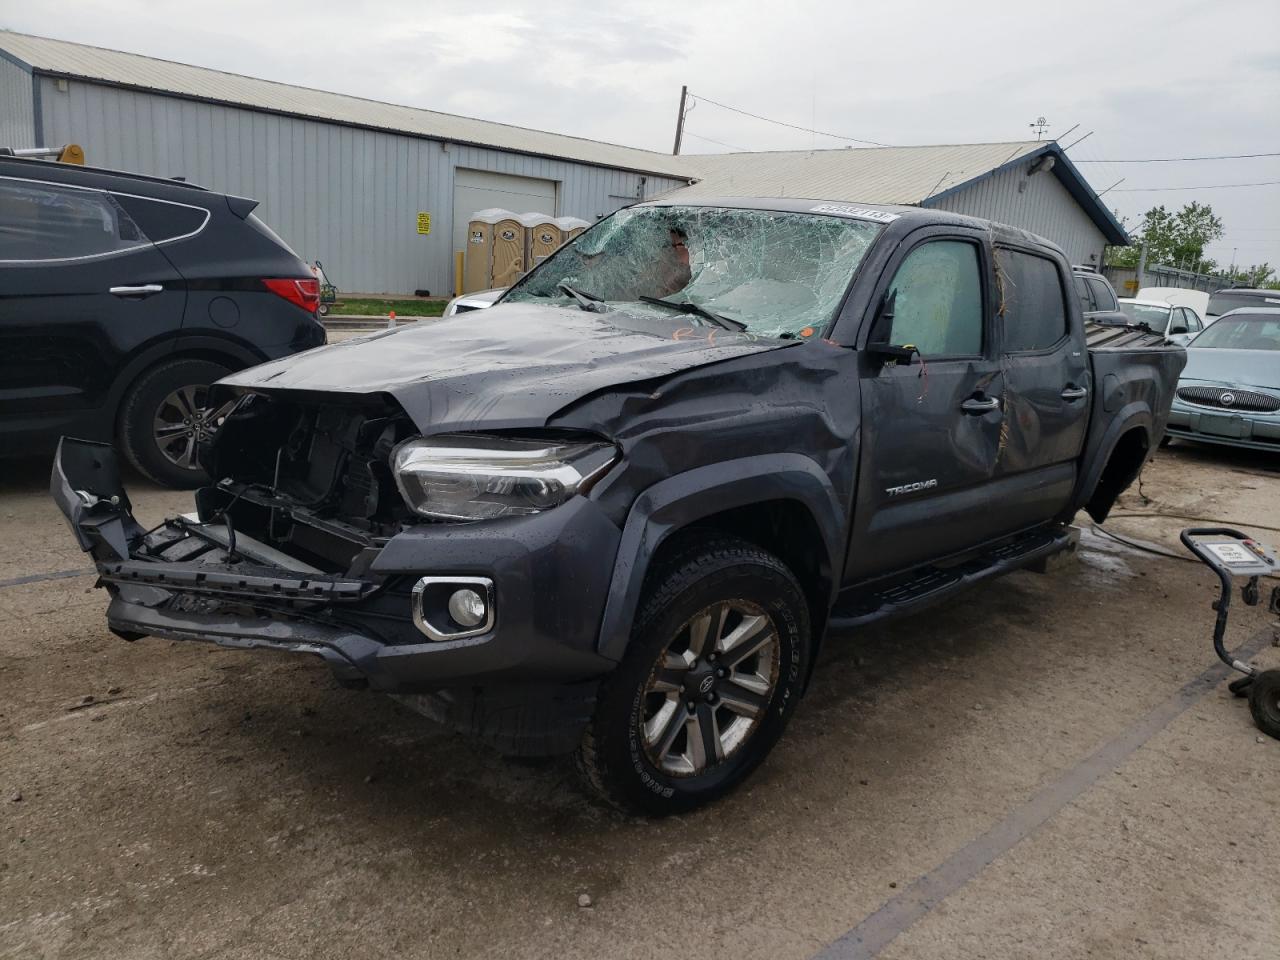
(1193, 321)
(161, 220)
(938, 300)
(47, 221)
(1085, 295)
(1102, 295)
(1032, 299)
(1179, 322)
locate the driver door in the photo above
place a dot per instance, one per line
(931, 428)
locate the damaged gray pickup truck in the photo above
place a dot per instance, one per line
(618, 511)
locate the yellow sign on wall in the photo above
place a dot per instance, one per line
(424, 223)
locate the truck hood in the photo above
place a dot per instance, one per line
(508, 367)
(1246, 368)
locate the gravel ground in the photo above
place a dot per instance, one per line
(1032, 770)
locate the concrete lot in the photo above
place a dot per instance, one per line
(1039, 769)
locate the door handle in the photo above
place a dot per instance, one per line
(145, 290)
(1070, 393)
(980, 405)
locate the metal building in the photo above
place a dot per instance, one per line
(1030, 184)
(342, 179)
(346, 180)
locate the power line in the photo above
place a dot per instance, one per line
(698, 136)
(1233, 156)
(1207, 186)
(783, 123)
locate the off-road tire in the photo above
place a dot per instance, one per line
(611, 758)
(137, 413)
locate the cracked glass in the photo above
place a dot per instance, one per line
(780, 274)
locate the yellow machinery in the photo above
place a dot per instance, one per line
(69, 153)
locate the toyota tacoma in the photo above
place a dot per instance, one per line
(617, 512)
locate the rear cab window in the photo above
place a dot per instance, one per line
(1033, 306)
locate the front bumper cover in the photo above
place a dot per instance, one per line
(550, 573)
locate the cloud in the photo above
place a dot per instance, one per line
(1175, 78)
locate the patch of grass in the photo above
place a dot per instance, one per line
(379, 308)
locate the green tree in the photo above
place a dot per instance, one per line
(1258, 275)
(1173, 238)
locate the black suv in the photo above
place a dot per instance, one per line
(123, 297)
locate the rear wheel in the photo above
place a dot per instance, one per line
(166, 414)
(714, 670)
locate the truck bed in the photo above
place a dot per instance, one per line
(1107, 336)
(1134, 371)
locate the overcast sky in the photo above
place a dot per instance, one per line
(1170, 79)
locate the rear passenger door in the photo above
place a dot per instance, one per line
(1047, 386)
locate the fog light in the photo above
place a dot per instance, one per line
(467, 608)
(453, 607)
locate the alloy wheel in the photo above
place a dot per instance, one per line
(183, 420)
(709, 689)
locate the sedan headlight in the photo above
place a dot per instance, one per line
(479, 477)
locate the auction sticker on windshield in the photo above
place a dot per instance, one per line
(862, 213)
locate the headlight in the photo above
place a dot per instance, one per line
(478, 477)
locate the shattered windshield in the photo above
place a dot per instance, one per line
(779, 274)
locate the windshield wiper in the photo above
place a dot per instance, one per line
(687, 306)
(587, 301)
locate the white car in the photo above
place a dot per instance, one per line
(1176, 324)
(479, 300)
(1197, 300)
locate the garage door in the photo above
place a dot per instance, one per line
(479, 190)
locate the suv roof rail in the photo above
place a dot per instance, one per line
(25, 155)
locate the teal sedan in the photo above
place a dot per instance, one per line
(1229, 392)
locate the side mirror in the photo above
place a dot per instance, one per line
(878, 345)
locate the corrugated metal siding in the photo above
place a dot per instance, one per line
(1044, 207)
(168, 77)
(346, 196)
(17, 116)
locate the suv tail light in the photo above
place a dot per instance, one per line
(304, 293)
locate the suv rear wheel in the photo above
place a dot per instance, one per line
(166, 414)
(715, 667)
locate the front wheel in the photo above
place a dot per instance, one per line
(714, 670)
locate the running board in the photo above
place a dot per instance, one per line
(928, 585)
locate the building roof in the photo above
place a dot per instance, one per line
(77, 61)
(916, 176)
(899, 175)
(907, 175)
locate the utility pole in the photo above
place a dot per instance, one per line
(684, 95)
(1142, 265)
